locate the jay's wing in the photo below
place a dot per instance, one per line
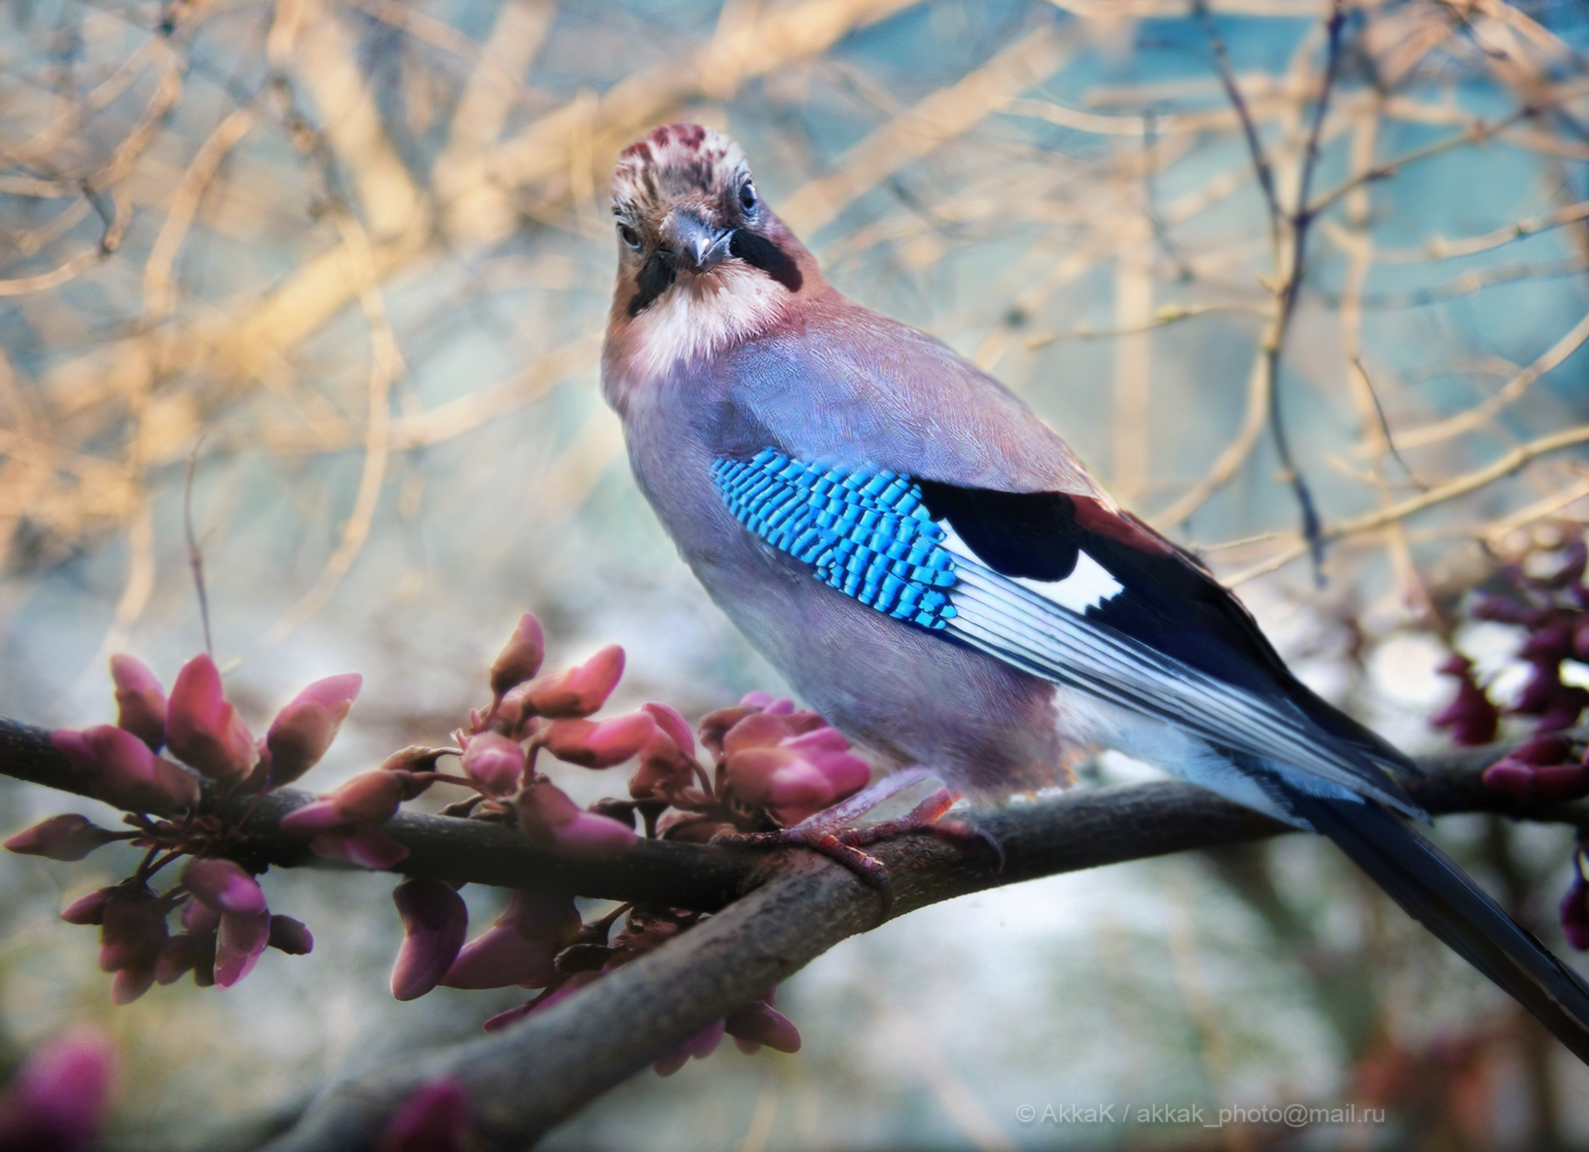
(1064, 588)
(1067, 589)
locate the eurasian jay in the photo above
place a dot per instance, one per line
(932, 568)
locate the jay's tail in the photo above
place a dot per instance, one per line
(1434, 890)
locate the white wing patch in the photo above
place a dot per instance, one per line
(1088, 585)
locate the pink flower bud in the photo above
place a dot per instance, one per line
(1575, 914)
(1543, 750)
(434, 924)
(129, 984)
(664, 771)
(305, 728)
(1472, 718)
(775, 778)
(361, 844)
(671, 721)
(757, 1023)
(579, 691)
(290, 936)
(700, 1046)
(134, 778)
(69, 743)
(494, 762)
(89, 909)
(70, 837)
(179, 955)
(521, 658)
(202, 728)
(57, 1100)
(1547, 782)
(238, 944)
(370, 797)
(433, 1119)
(1550, 645)
(132, 929)
(546, 814)
(224, 885)
(520, 947)
(140, 701)
(598, 744)
(199, 918)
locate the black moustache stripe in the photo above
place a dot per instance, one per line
(656, 277)
(760, 252)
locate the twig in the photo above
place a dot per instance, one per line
(526, 1079)
(195, 554)
(1461, 486)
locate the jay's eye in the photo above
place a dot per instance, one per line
(747, 196)
(630, 236)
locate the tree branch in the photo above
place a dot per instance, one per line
(528, 1078)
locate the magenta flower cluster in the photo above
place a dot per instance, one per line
(1541, 591)
(221, 911)
(771, 766)
(57, 1099)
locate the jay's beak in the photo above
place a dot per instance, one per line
(698, 246)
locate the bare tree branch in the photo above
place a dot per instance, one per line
(526, 1079)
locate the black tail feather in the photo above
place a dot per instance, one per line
(1434, 890)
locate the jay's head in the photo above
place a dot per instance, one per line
(691, 224)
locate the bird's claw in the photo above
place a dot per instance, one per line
(829, 834)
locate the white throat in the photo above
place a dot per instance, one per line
(701, 315)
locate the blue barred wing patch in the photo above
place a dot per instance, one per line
(865, 533)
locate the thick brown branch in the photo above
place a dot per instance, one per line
(530, 1077)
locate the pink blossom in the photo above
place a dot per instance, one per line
(757, 1023)
(671, 721)
(793, 763)
(664, 770)
(132, 932)
(434, 924)
(1540, 767)
(1575, 913)
(290, 936)
(181, 954)
(700, 1046)
(433, 1119)
(69, 837)
(520, 947)
(134, 778)
(89, 909)
(238, 944)
(129, 984)
(202, 728)
(199, 918)
(573, 984)
(520, 659)
(223, 885)
(361, 844)
(548, 815)
(57, 1100)
(305, 728)
(494, 762)
(140, 701)
(598, 744)
(579, 691)
(70, 744)
(370, 797)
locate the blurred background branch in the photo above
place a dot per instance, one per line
(360, 249)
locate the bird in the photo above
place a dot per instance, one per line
(932, 568)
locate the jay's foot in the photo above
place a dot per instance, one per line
(833, 832)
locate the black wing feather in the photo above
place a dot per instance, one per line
(1171, 602)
